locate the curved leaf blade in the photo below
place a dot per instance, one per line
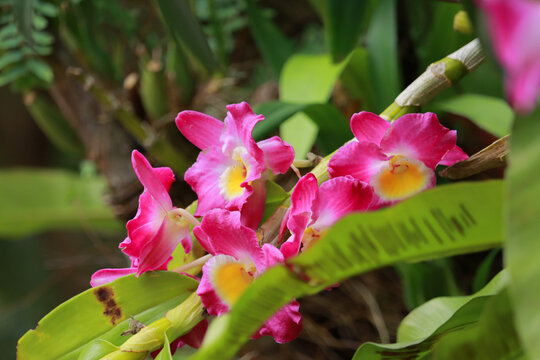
(451, 219)
(103, 313)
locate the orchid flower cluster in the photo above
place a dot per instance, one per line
(383, 165)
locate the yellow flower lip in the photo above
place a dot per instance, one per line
(231, 278)
(401, 178)
(230, 182)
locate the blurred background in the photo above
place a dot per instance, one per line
(83, 83)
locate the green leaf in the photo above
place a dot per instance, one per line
(382, 46)
(422, 328)
(187, 31)
(491, 114)
(484, 270)
(447, 220)
(299, 131)
(273, 45)
(522, 229)
(275, 195)
(40, 69)
(23, 11)
(275, 112)
(8, 31)
(13, 74)
(9, 58)
(42, 38)
(46, 8)
(51, 121)
(493, 337)
(38, 200)
(165, 353)
(307, 79)
(97, 350)
(356, 78)
(334, 130)
(103, 313)
(343, 23)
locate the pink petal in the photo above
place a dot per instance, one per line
(369, 127)
(156, 253)
(303, 194)
(202, 130)
(209, 298)
(272, 256)
(203, 239)
(239, 125)
(522, 87)
(361, 160)
(195, 337)
(297, 224)
(203, 177)
(228, 236)
(419, 136)
(105, 276)
(253, 210)
(453, 156)
(152, 180)
(142, 228)
(284, 326)
(278, 155)
(338, 197)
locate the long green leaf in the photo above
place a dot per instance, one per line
(103, 313)
(383, 51)
(523, 229)
(447, 220)
(38, 200)
(334, 129)
(491, 114)
(275, 195)
(493, 337)
(275, 112)
(273, 45)
(422, 328)
(23, 10)
(343, 23)
(187, 31)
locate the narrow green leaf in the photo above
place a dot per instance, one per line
(42, 38)
(523, 227)
(273, 45)
(46, 8)
(484, 270)
(491, 114)
(275, 195)
(38, 200)
(447, 220)
(356, 78)
(11, 43)
(97, 350)
(165, 353)
(382, 48)
(40, 69)
(275, 112)
(184, 25)
(343, 23)
(493, 337)
(8, 31)
(13, 74)
(153, 89)
(103, 313)
(9, 58)
(23, 11)
(424, 326)
(51, 121)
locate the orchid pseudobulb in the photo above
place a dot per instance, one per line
(230, 170)
(157, 228)
(398, 160)
(237, 260)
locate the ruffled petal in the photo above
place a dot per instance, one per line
(142, 228)
(297, 224)
(278, 155)
(105, 276)
(284, 326)
(204, 177)
(453, 156)
(419, 136)
(253, 209)
(272, 256)
(303, 194)
(239, 125)
(368, 127)
(156, 253)
(228, 236)
(361, 160)
(202, 130)
(338, 197)
(153, 181)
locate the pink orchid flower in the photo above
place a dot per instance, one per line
(513, 27)
(234, 266)
(157, 228)
(229, 172)
(398, 160)
(313, 210)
